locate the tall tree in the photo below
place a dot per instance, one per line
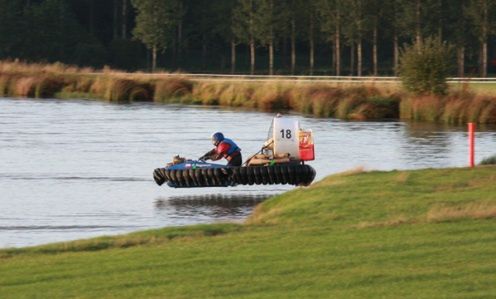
(179, 12)
(154, 24)
(267, 24)
(312, 21)
(91, 16)
(307, 24)
(115, 20)
(481, 13)
(223, 26)
(51, 26)
(330, 14)
(457, 22)
(206, 28)
(293, 16)
(124, 19)
(10, 28)
(354, 30)
(421, 18)
(80, 31)
(244, 27)
(394, 26)
(373, 13)
(418, 22)
(296, 16)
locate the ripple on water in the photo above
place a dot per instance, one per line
(78, 169)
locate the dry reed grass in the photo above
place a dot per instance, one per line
(5, 89)
(83, 84)
(395, 221)
(24, 87)
(208, 93)
(171, 89)
(403, 177)
(125, 91)
(439, 213)
(19, 67)
(270, 97)
(324, 101)
(345, 101)
(442, 213)
(353, 171)
(48, 86)
(237, 95)
(458, 107)
(99, 87)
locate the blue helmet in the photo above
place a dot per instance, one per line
(217, 137)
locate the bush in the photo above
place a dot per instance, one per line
(424, 67)
(489, 161)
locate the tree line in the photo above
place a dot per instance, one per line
(334, 37)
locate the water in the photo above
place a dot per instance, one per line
(78, 169)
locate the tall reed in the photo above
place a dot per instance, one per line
(172, 89)
(345, 101)
(457, 107)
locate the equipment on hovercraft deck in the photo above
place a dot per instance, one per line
(286, 142)
(280, 161)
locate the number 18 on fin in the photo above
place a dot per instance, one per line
(290, 138)
(285, 135)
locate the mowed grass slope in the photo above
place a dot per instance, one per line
(398, 234)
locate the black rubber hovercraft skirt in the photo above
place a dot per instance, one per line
(297, 174)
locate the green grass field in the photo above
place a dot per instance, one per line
(483, 88)
(398, 234)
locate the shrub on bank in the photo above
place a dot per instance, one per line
(424, 67)
(489, 160)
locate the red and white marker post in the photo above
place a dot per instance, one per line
(471, 144)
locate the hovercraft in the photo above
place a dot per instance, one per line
(201, 174)
(280, 161)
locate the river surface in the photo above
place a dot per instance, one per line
(78, 169)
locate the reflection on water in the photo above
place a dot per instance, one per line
(25, 177)
(79, 169)
(432, 144)
(425, 142)
(216, 206)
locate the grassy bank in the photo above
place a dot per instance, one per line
(413, 234)
(340, 100)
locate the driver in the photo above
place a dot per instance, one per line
(224, 148)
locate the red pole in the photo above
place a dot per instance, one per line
(471, 144)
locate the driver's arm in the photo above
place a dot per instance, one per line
(210, 155)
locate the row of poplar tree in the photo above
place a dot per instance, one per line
(338, 37)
